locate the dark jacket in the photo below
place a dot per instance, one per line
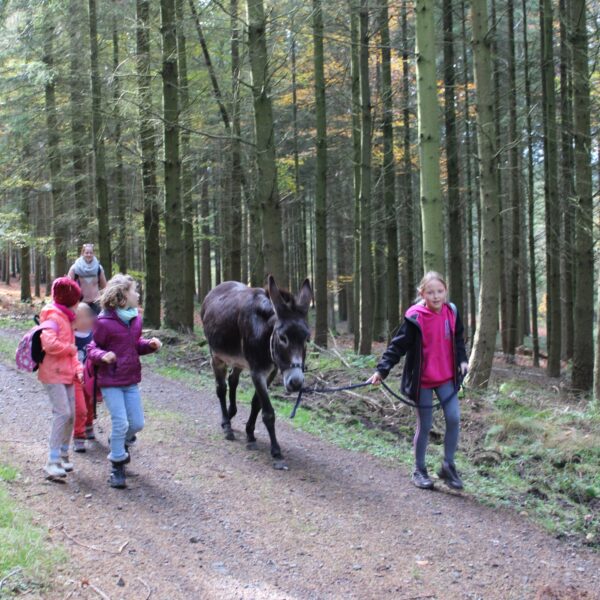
(112, 335)
(408, 341)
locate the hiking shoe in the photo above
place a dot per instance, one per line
(131, 442)
(89, 432)
(117, 475)
(450, 477)
(421, 479)
(79, 445)
(54, 470)
(65, 463)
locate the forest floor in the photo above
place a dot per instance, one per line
(207, 518)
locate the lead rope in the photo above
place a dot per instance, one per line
(344, 388)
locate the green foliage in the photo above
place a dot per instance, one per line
(24, 551)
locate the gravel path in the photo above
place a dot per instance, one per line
(206, 518)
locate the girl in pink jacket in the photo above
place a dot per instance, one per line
(58, 372)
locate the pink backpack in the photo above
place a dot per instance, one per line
(29, 352)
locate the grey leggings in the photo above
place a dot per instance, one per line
(62, 399)
(451, 410)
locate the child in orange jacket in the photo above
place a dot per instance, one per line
(58, 372)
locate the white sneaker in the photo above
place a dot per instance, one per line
(66, 464)
(54, 470)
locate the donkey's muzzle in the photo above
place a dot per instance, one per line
(293, 379)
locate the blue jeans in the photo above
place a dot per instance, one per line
(127, 417)
(451, 410)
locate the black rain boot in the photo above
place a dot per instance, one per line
(450, 476)
(117, 475)
(421, 479)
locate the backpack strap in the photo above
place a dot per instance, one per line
(453, 307)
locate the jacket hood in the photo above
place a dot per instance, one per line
(52, 311)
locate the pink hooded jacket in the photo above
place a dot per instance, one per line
(60, 364)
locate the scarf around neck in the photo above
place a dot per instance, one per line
(126, 314)
(85, 269)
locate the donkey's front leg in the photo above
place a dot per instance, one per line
(220, 371)
(268, 415)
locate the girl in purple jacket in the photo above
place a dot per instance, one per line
(115, 351)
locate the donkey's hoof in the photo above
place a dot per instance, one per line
(280, 465)
(229, 435)
(252, 445)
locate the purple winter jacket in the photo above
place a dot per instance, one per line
(112, 335)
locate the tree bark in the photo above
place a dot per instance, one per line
(366, 269)
(455, 219)
(567, 188)
(152, 297)
(551, 191)
(267, 193)
(121, 198)
(356, 156)
(78, 111)
(235, 251)
(484, 343)
(102, 212)
(174, 306)
(470, 198)
(530, 195)
(25, 247)
(407, 250)
(389, 174)
(584, 258)
(320, 179)
(514, 263)
(429, 138)
(59, 214)
(189, 273)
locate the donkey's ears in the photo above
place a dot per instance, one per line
(304, 297)
(274, 294)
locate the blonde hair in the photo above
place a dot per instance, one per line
(428, 278)
(114, 294)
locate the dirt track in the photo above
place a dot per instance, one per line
(206, 518)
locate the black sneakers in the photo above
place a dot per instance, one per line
(421, 479)
(450, 477)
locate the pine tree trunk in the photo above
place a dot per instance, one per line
(407, 250)
(514, 263)
(174, 305)
(567, 188)
(59, 230)
(455, 220)
(25, 248)
(429, 138)
(551, 192)
(152, 298)
(235, 251)
(355, 76)
(320, 180)
(189, 273)
(389, 174)
(584, 257)
(206, 280)
(267, 192)
(484, 343)
(77, 110)
(470, 198)
(530, 195)
(366, 269)
(121, 198)
(102, 212)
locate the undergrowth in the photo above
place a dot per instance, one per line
(27, 559)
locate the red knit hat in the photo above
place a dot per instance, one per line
(66, 291)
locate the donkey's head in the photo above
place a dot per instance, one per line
(291, 332)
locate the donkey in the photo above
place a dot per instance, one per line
(260, 330)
